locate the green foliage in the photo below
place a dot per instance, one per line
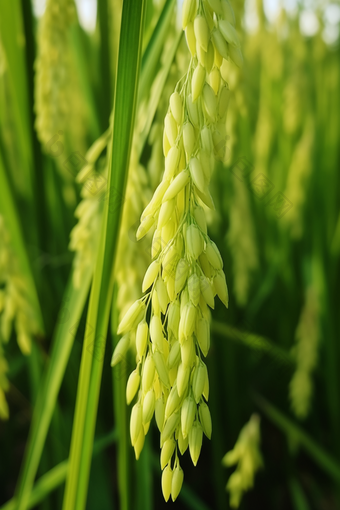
(276, 222)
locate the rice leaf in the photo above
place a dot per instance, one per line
(102, 288)
(254, 342)
(9, 209)
(70, 313)
(322, 458)
(154, 48)
(55, 477)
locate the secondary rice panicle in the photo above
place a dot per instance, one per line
(241, 242)
(292, 111)
(170, 323)
(15, 309)
(241, 236)
(84, 236)
(246, 454)
(306, 354)
(297, 184)
(131, 263)
(53, 69)
(264, 135)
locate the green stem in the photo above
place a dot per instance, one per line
(322, 458)
(253, 341)
(55, 477)
(102, 288)
(64, 336)
(120, 416)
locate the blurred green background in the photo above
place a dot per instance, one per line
(276, 188)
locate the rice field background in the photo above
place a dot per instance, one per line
(84, 105)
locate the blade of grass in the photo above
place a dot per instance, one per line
(120, 416)
(55, 477)
(79, 49)
(321, 458)
(219, 377)
(102, 288)
(157, 93)
(253, 341)
(12, 34)
(70, 314)
(9, 209)
(154, 48)
(38, 175)
(105, 61)
(191, 500)
(144, 499)
(298, 497)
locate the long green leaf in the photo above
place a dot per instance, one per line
(73, 305)
(254, 342)
(120, 416)
(31, 462)
(102, 288)
(55, 477)
(11, 30)
(297, 495)
(9, 209)
(157, 93)
(322, 458)
(187, 495)
(154, 48)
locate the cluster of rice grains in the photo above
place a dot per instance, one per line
(247, 456)
(305, 352)
(15, 310)
(84, 235)
(130, 264)
(53, 69)
(170, 323)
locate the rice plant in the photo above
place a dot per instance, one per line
(169, 254)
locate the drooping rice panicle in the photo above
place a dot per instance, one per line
(15, 310)
(170, 323)
(306, 354)
(84, 236)
(15, 307)
(53, 70)
(298, 176)
(241, 242)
